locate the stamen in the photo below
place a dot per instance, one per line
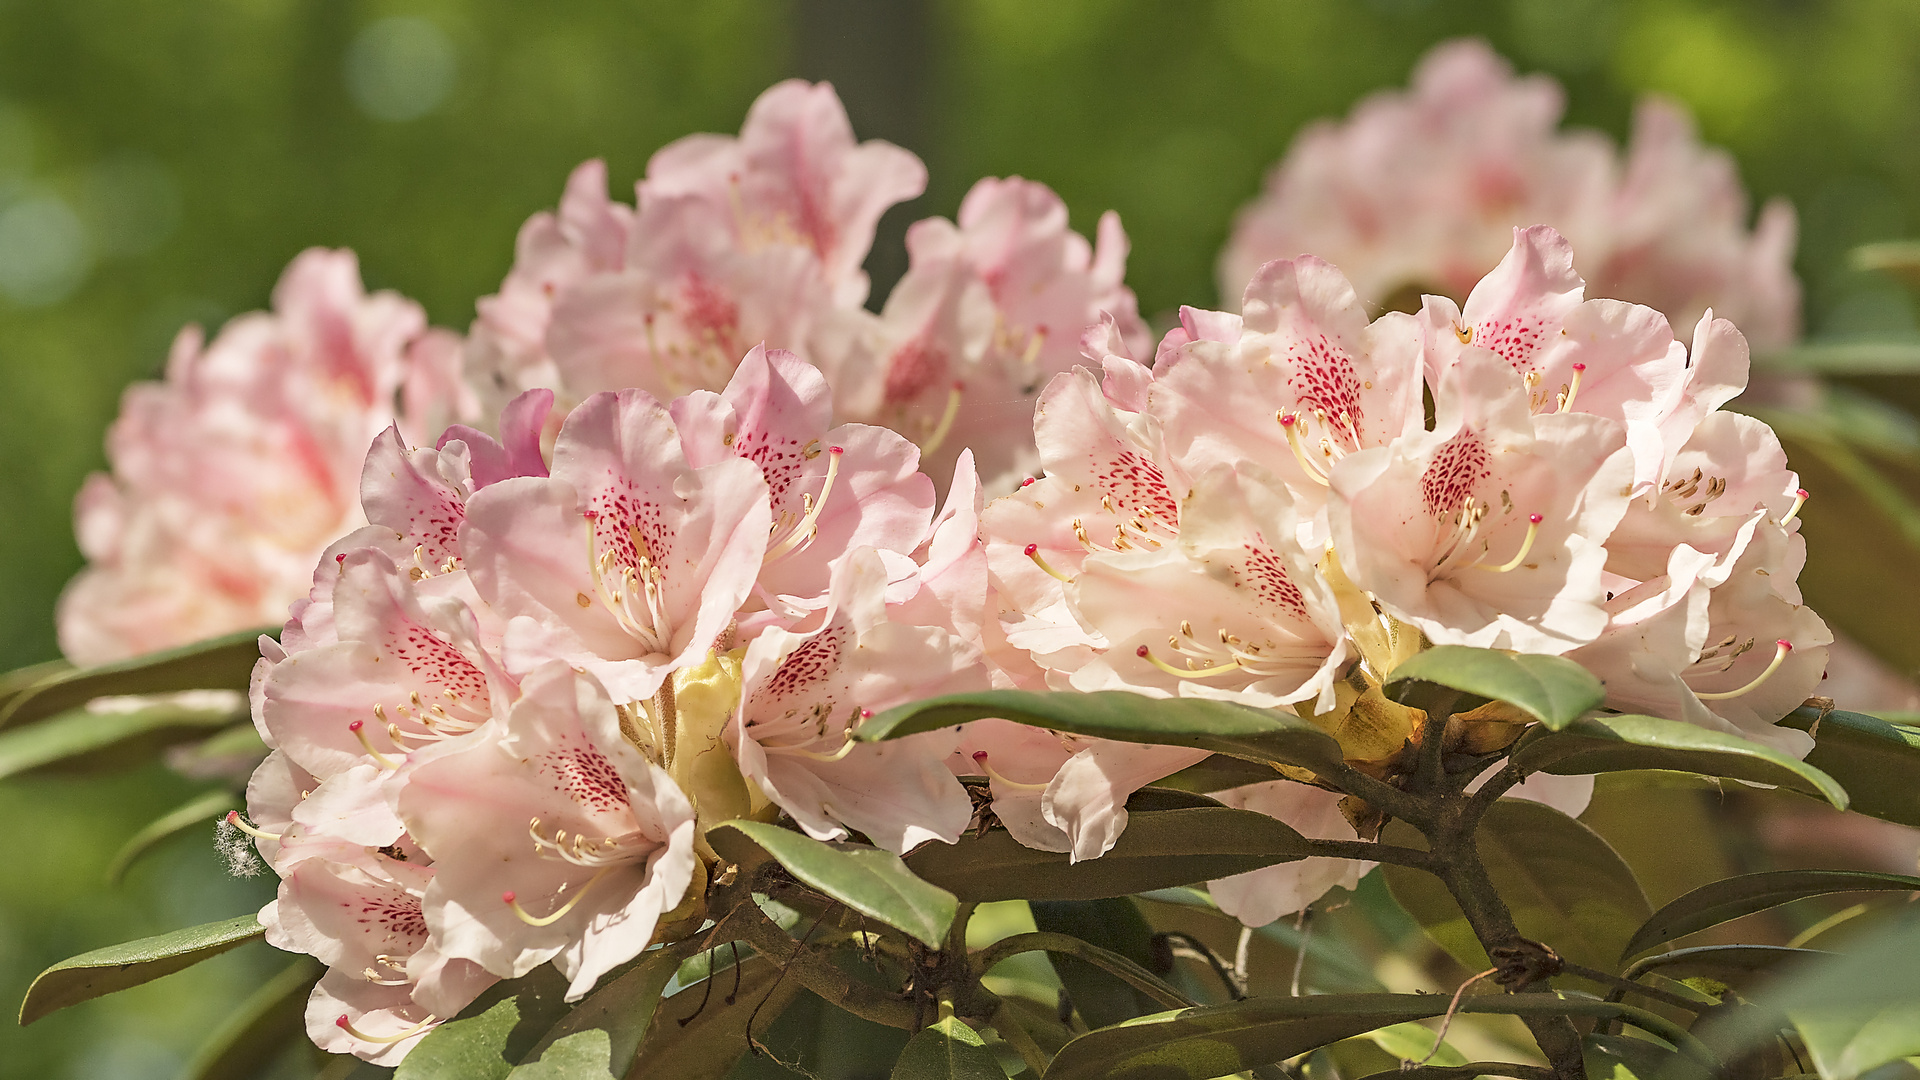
(945, 425)
(346, 1025)
(1573, 388)
(1033, 552)
(373, 977)
(234, 819)
(1780, 651)
(980, 759)
(1146, 654)
(1799, 500)
(1290, 423)
(838, 755)
(1464, 333)
(1533, 530)
(802, 533)
(559, 913)
(358, 727)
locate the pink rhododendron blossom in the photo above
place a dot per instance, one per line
(1260, 896)
(234, 473)
(1416, 190)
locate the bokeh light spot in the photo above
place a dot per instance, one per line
(44, 253)
(400, 68)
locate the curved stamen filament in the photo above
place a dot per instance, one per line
(346, 1025)
(1033, 552)
(234, 819)
(581, 850)
(1533, 530)
(1799, 500)
(997, 777)
(1290, 423)
(1573, 388)
(559, 913)
(1780, 651)
(373, 977)
(945, 426)
(359, 729)
(802, 533)
(838, 755)
(1146, 654)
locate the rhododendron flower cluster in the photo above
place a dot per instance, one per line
(1268, 517)
(1415, 193)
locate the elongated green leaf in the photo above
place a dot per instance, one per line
(1720, 901)
(1159, 849)
(580, 1056)
(1113, 924)
(1720, 960)
(117, 967)
(1565, 886)
(81, 739)
(1845, 358)
(1220, 726)
(1553, 689)
(1218, 773)
(701, 1032)
(1617, 1057)
(619, 1009)
(19, 680)
(203, 809)
(1413, 1042)
(873, 882)
(222, 663)
(1877, 762)
(949, 1050)
(493, 1033)
(1615, 743)
(1847, 1042)
(1219, 1040)
(261, 1029)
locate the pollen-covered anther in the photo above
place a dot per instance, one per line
(345, 1024)
(1526, 545)
(1780, 650)
(234, 819)
(1799, 500)
(1033, 552)
(359, 729)
(1146, 654)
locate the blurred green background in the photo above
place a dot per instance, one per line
(160, 162)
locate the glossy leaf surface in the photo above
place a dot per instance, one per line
(222, 663)
(868, 880)
(117, 967)
(1720, 901)
(948, 1050)
(1553, 689)
(488, 1037)
(1617, 743)
(80, 739)
(1876, 761)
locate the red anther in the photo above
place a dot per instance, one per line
(836, 449)
(1287, 420)
(340, 558)
(958, 385)
(233, 816)
(1141, 652)
(507, 897)
(1785, 644)
(1023, 483)
(343, 1022)
(1041, 330)
(1535, 518)
(590, 515)
(866, 714)
(1032, 549)
(1802, 492)
(1579, 367)
(979, 755)
(355, 726)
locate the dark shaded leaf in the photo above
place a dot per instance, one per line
(1115, 925)
(1720, 901)
(949, 1050)
(1877, 762)
(1566, 887)
(1720, 960)
(1159, 849)
(1220, 726)
(1218, 773)
(620, 1008)
(489, 1036)
(203, 809)
(1617, 1057)
(700, 1035)
(261, 1029)
(1553, 689)
(83, 740)
(1219, 1040)
(222, 663)
(117, 967)
(868, 880)
(1619, 743)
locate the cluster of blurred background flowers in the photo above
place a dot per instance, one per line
(159, 164)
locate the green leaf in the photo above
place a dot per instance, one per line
(580, 1056)
(204, 808)
(1218, 1040)
(702, 1031)
(1617, 743)
(1159, 849)
(493, 1033)
(620, 1009)
(1553, 689)
(1720, 960)
(1847, 1042)
(1412, 1042)
(868, 880)
(1218, 773)
(1618, 1057)
(1720, 901)
(261, 1029)
(1565, 885)
(87, 740)
(949, 1050)
(1845, 358)
(222, 663)
(1220, 726)
(1113, 924)
(117, 967)
(1876, 761)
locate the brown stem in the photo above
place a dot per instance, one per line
(813, 971)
